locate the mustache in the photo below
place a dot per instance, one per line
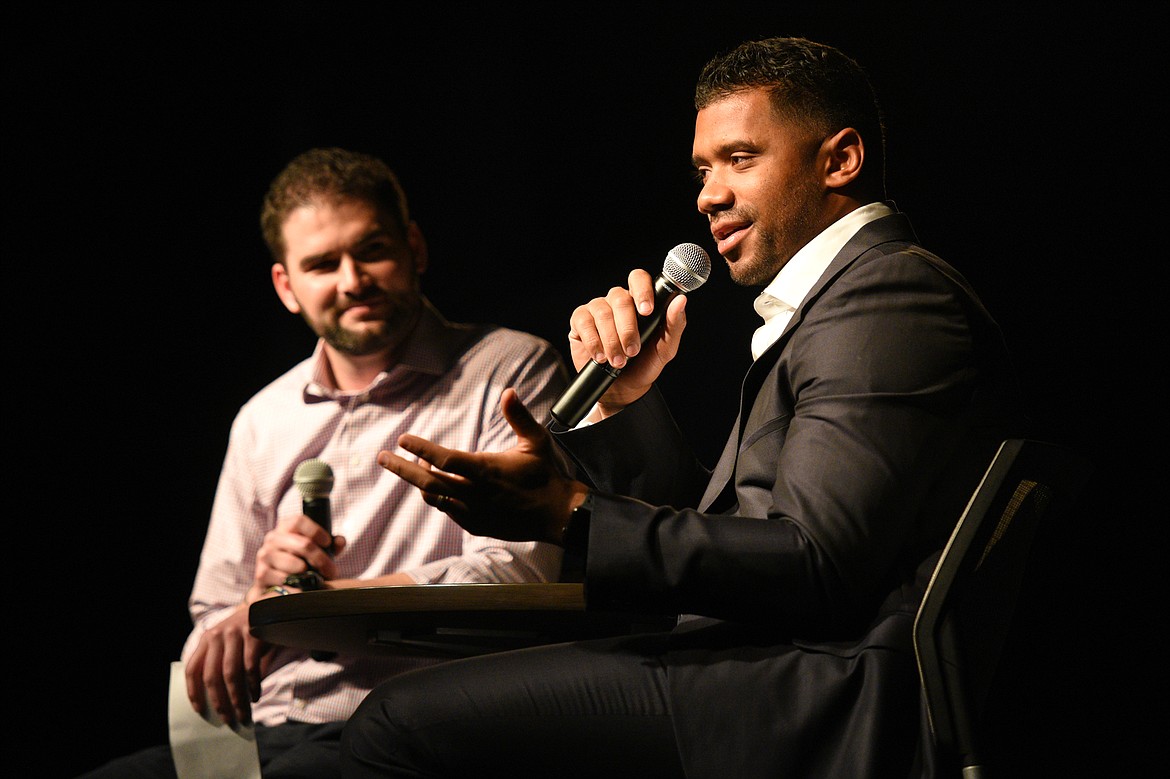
(364, 298)
(366, 295)
(390, 300)
(741, 214)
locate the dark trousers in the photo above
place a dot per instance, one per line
(589, 709)
(294, 750)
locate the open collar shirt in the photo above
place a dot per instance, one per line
(777, 303)
(446, 387)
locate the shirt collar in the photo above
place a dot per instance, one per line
(431, 348)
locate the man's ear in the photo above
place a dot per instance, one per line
(843, 154)
(283, 289)
(418, 247)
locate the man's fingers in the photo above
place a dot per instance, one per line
(236, 679)
(218, 699)
(519, 417)
(623, 319)
(423, 476)
(196, 692)
(583, 328)
(676, 322)
(431, 454)
(642, 290)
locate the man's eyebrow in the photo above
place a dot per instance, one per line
(373, 233)
(310, 260)
(725, 149)
(377, 231)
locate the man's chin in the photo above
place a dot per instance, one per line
(740, 273)
(358, 343)
(747, 271)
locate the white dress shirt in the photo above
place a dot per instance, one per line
(788, 289)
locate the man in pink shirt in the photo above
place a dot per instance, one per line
(348, 259)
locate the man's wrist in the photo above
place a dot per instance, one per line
(575, 533)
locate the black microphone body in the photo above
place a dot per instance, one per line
(686, 268)
(317, 509)
(314, 480)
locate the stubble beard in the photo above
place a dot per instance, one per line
(376, 336)
(795, 225)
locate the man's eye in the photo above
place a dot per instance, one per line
(700, 175)
(373, 254)
(375, 251)
(321, 266)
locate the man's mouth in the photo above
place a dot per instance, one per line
(362, 310)
(728, 235)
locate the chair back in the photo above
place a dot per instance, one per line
(966, 613)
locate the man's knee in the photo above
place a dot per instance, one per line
(375, 742)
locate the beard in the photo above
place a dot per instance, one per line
(789, 226)
(374, 336)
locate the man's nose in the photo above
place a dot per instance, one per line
(351, 276)
(714, 197)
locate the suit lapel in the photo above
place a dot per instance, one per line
(719, 497)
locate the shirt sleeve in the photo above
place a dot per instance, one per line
(235, 532)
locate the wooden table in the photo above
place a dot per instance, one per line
(439, 619)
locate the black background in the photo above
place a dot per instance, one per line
(545, 150)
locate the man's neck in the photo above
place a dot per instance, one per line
(352, 373)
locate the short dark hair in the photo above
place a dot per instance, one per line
(810, 83)
(329, 175)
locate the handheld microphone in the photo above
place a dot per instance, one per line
(686, 267)
(314, 479)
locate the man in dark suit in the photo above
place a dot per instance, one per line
(878, 394)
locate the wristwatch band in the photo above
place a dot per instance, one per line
(307, 581)
(576, 536)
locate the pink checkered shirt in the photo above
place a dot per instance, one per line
(446, 387)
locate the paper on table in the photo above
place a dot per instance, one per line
(204, 747)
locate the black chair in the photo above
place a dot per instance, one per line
(966, 615)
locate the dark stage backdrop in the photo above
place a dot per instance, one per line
(547, 153)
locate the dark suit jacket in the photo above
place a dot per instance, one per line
(803, 556)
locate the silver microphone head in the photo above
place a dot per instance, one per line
(314, 478)
(687, 266)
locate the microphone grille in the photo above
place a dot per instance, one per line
(314, 478)
(687, 266)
